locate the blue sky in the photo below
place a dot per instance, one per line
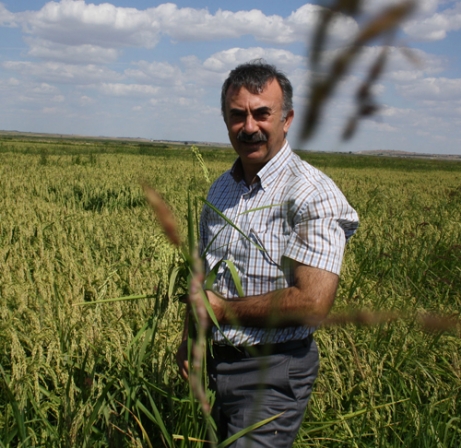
(154, 70)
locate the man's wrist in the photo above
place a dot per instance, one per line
(218, 305)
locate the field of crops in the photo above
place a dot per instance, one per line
(75, 229)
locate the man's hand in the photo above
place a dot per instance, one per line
(182, 360)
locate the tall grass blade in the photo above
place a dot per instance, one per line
(231, 223)
(18, 415)
(116, 299)
(235, 277)
(156, 417)
(248, 429)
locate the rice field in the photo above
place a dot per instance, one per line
(75, 229)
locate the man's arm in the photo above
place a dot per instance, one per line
(307, 302)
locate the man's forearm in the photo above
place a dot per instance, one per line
(307, 303)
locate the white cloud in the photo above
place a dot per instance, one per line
(446, 110)
(7, 18)
(197, 25)
(414, 61)
(381, 127)
(212, 71)
(390, 111)
(431, 120)
(404, 75)
(191, 24)
(75, 54)
(63, 73)
(73, 22)
(85, 100)
(161, 73)
(428, 22)
(179, 106)
(226, 60)
(14, 82)
(436, 25)
(422, 6)
(131, 90)
(85, 29)
(342, 28)
(403, 65)
(50, 110)
(30, 92)
(45, 88)
(442, 89)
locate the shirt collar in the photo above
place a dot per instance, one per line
(272, 169)
(269, 171)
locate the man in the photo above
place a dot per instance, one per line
(290, 226)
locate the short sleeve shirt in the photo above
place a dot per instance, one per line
(293, 212)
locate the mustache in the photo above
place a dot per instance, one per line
(251, 138)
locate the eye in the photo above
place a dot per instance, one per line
(262, 115)
(236, 115)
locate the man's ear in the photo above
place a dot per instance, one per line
(288, 120)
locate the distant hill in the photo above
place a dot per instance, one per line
(36, 135)
(407, 154)
(373, 152)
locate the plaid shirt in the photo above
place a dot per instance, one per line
(293, 212)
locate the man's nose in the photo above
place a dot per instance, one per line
(250, 126)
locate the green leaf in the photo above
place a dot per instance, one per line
(172, 281)
(89, 421)
(116, 299)
(342, 418)
(209, 309)
(264, 207)
(235, 277)
(190, 224)
(18, 415)
(241, 433)
(225, 218)
(211, 277)
(155, 417)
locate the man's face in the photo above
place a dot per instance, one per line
(255, 125)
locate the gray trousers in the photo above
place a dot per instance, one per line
(253, 388)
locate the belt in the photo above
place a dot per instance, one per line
(234, 353)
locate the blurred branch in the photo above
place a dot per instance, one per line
(163, 213)
(431, 323)
(322, 87)
(196, 300)
(196, 293)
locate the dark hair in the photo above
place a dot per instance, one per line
(254, 76)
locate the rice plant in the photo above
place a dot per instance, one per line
(104, 375)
